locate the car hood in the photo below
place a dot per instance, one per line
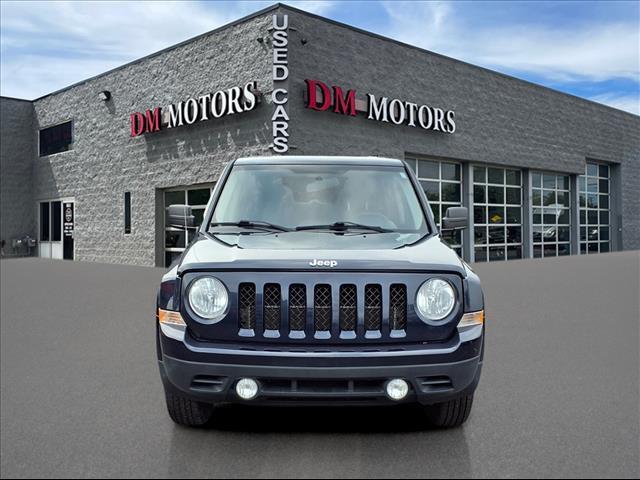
(295, 252)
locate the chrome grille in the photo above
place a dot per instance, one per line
(372, 307)
(247, 305)
(322, 308)
(297, 307)
(398, 307)
(348, 308)
(271, 306)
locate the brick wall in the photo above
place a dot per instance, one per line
(17, 152)
(106, 161)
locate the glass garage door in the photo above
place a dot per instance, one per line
(176, 239)
(551, 202)
(497, 212)
(442, 183)
(594, 209)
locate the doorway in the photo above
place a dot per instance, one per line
(56, 220)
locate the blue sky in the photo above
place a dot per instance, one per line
(589, 49)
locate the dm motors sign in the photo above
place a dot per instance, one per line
(210, 106)
(319, 96)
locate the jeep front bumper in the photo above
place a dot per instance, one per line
(435, 372)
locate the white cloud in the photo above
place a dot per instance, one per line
(113, 29)
(319, 7)
(628, 103)
(34, 75)
(49, 45)
(594, 52)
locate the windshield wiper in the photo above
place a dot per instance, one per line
(343, 227)
(257, 225)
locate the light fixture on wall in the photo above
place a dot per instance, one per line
(104, 95)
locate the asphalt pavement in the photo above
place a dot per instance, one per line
(559, 396)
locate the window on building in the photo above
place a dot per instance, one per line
(127, 212)
(594, 188)
(176, 239)
(550, 203)
(442, 183)
(497, 212)
(56, 139)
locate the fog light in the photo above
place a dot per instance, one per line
(397, 389)
(247, 389)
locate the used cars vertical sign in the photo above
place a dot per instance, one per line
(280, 95)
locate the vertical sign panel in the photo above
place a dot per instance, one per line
(68, 225)
(280, 95)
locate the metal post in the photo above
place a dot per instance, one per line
(527, 215)
(467, 201)
(575, 215)
(615, 207)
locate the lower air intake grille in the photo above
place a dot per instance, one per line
(398, 307)
(435, 384)
(348, 308)
(297, 307)
(271, 306)
(208, 383)
(372, 307)
(247, 305)
(322, 308)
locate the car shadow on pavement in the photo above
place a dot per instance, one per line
(299, 419)
(319, 442)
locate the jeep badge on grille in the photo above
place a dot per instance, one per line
(323, 263)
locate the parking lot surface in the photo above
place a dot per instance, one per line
(81, 394)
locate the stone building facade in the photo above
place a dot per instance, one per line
(542, 172)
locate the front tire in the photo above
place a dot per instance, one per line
(187, 412)
(450, 414)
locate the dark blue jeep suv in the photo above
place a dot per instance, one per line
(319, 280)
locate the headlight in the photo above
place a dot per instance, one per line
(435, 299)
(208, 298)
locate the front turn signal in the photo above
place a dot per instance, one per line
(472, 319)
(168, 317)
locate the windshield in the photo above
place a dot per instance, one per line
(292, 196)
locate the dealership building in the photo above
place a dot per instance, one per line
(88, 171)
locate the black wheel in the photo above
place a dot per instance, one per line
(450, 414)
(185, 411)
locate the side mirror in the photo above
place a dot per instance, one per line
(180, 216)
(456, 218)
